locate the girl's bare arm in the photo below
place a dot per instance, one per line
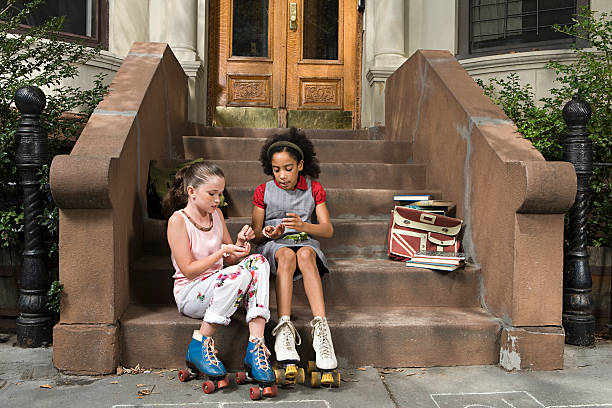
(257, 220)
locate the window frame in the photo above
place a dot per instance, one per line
(465, 30)
(99, 40)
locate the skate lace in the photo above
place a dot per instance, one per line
(321, 332)
(289, 334)
(211, 352)
(261, 355)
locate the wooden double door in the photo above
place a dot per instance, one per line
(284, 63)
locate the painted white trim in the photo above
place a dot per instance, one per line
(515, 62)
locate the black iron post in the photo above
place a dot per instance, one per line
(578, 320)
(34, 324)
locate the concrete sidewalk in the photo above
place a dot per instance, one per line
(27, 378)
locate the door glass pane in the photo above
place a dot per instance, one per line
(250, 28)
(321, 29)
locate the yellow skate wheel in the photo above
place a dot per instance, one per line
(312, 366)
(336, 379)
(291, 371)
(279, 376)
(315, 379)
(327, 379)
(300, 378)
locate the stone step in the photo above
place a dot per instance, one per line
(373, 133)
(357, 237)
(349, 283)
(328, 151)
(341, 202)
(157, 336)
(400, 177)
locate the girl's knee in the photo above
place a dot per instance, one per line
(285, 257)
(257, 265)
(306, 254)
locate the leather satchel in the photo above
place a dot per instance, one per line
(414, 230)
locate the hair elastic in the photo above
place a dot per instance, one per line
(284, 143)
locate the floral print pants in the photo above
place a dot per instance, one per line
(217, 297)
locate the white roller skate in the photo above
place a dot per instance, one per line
(323, 371)
(288, 371)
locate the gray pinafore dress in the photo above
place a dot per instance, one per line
(278, 203)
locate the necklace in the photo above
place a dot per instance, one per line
(198, 226)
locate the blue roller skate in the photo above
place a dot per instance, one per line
(258, 371)
(202, 361)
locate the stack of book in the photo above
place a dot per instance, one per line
(424, 202)
(442, 261)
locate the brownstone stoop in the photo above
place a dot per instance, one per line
(443, 137)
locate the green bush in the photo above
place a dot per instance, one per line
(542, 123)
(37, 56)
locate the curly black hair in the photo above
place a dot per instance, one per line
(311, 162)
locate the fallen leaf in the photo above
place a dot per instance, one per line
(147, 371)
(146, 391)
(139, 397)
(158, 372)
(140, 385)
(46, 386)
(422, 369)
(399, 370)
(409, 374)
(114, 382)
(382, 377)
(362, 368)
(171, 377)
(348, 379)
(386, 371)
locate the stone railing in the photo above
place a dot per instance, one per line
(100, 189)
(511, 199)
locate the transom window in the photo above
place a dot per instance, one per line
(497, 26)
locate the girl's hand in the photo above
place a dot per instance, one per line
(245, 235)
(235, 250)
(292, 220)
(274, 233)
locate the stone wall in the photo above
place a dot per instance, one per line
(100, 189)
(511, 199)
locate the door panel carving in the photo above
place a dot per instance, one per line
(249, 90)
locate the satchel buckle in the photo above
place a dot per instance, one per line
(406, 222)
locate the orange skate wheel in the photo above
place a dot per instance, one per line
(300, 378)
(270, 391)
(279, 376)
(184, 375)
(315, 379)
(255, 393)
(222, 383)
(312, 366)
(336, 383)
(241, 377)
(208, 386)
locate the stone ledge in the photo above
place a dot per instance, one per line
(86, 349)
(532, 348)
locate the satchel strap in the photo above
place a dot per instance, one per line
(401, 221)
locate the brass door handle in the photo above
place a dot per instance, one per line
(293, 16)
